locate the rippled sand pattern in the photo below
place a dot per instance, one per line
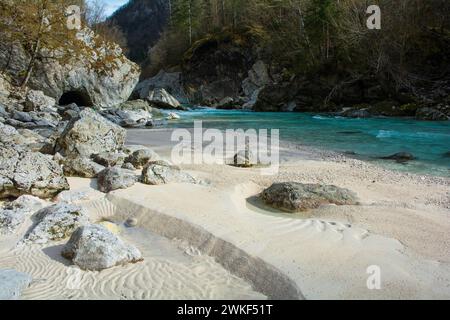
(166, 273)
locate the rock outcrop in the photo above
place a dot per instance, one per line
(171, 82)
(95, 248)
(90, 134)
(24, 172)
(98, 76)
(297, 197)
(56, 222)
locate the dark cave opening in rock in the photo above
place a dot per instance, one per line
(80, 98)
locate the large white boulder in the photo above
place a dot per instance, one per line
(24, 172)
(95, 248)
(90, 134)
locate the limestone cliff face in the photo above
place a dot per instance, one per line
(99, 75)
(142, 22)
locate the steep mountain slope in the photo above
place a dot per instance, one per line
(142, 22)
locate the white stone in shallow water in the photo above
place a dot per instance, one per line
(12, 283)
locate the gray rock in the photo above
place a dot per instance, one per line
(135, 105)
(115, 178)
(258, 77)
(154, 123)
(10, 220)
(90, 134)
(5, 86)
(431, 114)
(13, 213)
(56, 223)
(72, 196)
(110, 159)
(245, 159)
(161, 172)
(27, 204)
(296, 197)
(131, 222)
(12, 283)
(226, 103)
(95, 248)
(81, 167)
(169, 81)
(24, 172)
(21, 116)
(36, 100)
(358, 113)
(133, 119)
(128, 166)
(400, 157)
(162, 99)
(141, 157)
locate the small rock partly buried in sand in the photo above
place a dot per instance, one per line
(56, 222)
(95, 248)
(115, 178)
(296, 197)
(245, 159)
(131, 222)
(161, 172)
(12, 283)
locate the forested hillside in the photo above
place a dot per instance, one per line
(326, 41)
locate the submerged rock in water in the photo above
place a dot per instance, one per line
(115, 178)
(56, 222)
(296, 197)
(95, 248)
(12, 283)
(90, 134)
(161, 172)
(23, 172)
(400, 157)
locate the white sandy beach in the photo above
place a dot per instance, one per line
(215, 240)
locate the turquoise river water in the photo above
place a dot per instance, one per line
(369, 139)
